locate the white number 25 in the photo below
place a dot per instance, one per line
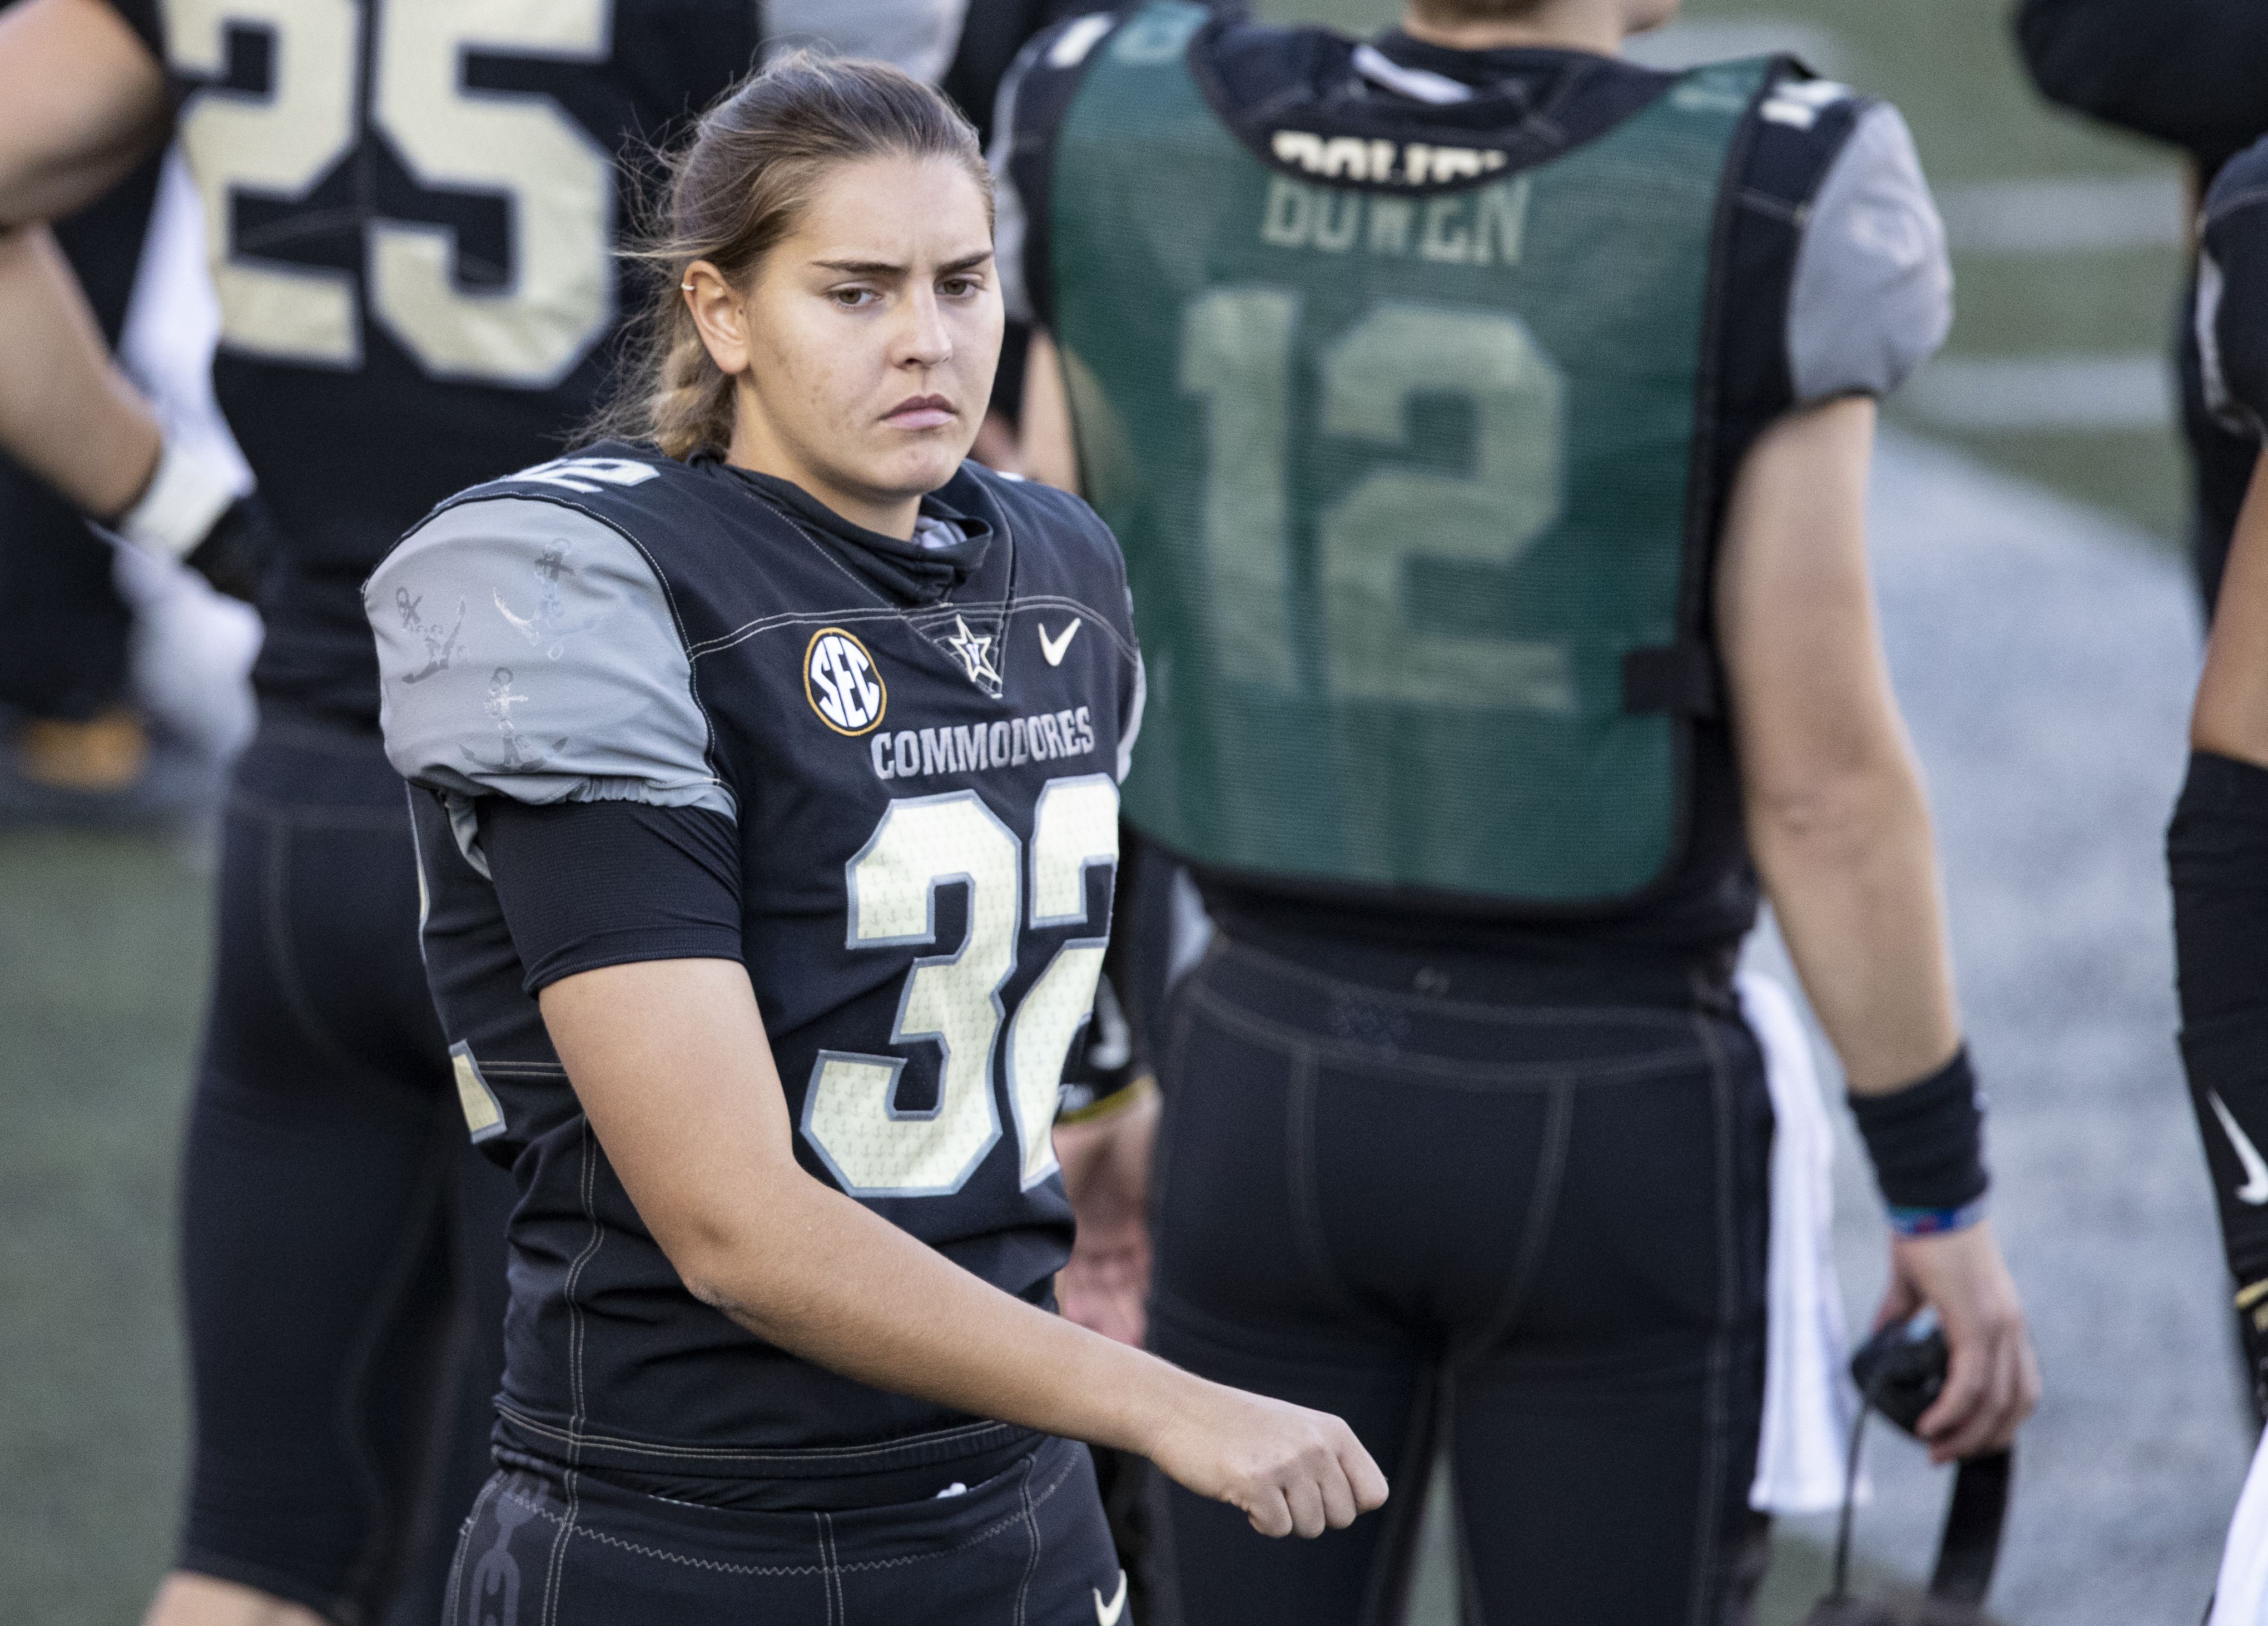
(850, 1114)
(558, 183)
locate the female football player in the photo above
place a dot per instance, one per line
(767, 801)
(417, 292)
(1486, 420)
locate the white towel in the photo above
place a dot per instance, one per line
(1808, 1397)
(2239, 1598)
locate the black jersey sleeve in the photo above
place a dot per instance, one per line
(2187, 71)
(528, 650)
(143, 18)
(2232, 293)
(590, 883)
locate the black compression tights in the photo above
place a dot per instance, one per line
(1533, 1239)
(342, 1245)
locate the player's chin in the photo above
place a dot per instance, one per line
(922, 459)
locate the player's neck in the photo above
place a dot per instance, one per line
(1557, 25)
(885, 515)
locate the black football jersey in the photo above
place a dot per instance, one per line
(923, 786)
(413, 210)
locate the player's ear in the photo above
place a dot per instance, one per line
(720, 314)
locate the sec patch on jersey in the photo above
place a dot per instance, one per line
(843, 683)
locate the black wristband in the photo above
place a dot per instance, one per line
(1926, 1140)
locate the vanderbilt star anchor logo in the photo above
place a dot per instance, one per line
(976, 652)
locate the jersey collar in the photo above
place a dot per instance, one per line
(908, 573)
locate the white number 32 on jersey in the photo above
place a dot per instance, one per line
(850, 1114)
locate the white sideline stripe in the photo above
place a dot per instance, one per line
(1689, 44)
(2077, 391)
(2085, 214)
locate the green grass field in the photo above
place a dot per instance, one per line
(102, 958)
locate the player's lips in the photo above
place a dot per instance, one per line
(921, 412)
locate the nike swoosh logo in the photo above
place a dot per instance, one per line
(2255, 1189)
(1053, 649)
(1107, 1613)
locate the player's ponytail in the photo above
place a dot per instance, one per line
(736, 189)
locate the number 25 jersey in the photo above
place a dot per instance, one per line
(922, 790)
(412, 211)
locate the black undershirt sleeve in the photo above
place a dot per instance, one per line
(142, 17)
(2217, 852)
(591, 884)
(2186, 72)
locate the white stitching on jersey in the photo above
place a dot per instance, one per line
(831, 1576)
(575, 1310)
(1032, 1524)
(557, 1567)
(1002, 606)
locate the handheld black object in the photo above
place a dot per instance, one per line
(1900, 1373)
(236, 554)
(1901, 1370)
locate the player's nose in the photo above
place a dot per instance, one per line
(924, 339)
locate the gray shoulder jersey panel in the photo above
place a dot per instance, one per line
(526, 650)
(1873, 295)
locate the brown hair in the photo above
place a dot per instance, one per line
(736, 189)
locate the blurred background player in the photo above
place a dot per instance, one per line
(2185, 72)
(1486, 422)
(2217, 845)
(412, 211)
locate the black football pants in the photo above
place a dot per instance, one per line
(1028, 1547)
(1531, 1237)
(342, 1243)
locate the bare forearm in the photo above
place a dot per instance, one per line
(67, 412)
(1853, 877)
(81, 101)
(1050, 451)
(795, 1262)
(845, 1289)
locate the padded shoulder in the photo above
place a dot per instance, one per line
(1872, 292)
(1062, 524)
(1061, 515)
(2232, 297)
(528, 648)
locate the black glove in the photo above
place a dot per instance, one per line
(190, 510)
(236, 554)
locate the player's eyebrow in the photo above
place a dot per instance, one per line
(886, 267)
